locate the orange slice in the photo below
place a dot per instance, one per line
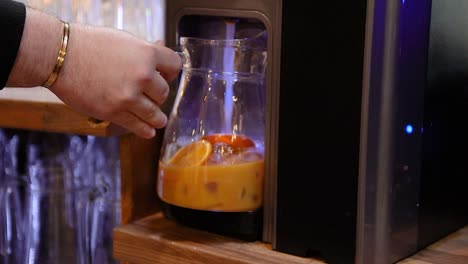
(193, 154)
(237, 142)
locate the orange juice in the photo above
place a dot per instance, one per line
(227, 187)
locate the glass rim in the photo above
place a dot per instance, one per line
(235, 42)
(238, 74)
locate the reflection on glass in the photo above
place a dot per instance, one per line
(64, 204)
(143, 18)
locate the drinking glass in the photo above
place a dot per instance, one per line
(55, 217)
(143, 18)
(11, 235)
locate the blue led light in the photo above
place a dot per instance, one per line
(409, 129)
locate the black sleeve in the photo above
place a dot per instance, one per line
(12, 18)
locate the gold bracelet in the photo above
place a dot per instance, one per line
(60, 58)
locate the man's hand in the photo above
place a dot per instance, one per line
(108, 74)
(114, 76)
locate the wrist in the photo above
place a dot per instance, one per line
(37, 55)
(72, 66)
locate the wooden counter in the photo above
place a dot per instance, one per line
(451, 250)
(39, 109)
(155, 240)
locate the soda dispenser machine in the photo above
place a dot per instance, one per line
(328, 131)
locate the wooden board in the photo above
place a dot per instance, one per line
(38, 109)
(138, 159)
(157, 240)
(52, 117)
(450, 250)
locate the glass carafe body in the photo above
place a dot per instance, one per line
(212, 157)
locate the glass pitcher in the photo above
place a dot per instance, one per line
(211, 168)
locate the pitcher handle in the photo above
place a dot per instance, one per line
(184, 57)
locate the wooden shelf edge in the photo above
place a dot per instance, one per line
(52, 117)
(452, 249)
(155, 239)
